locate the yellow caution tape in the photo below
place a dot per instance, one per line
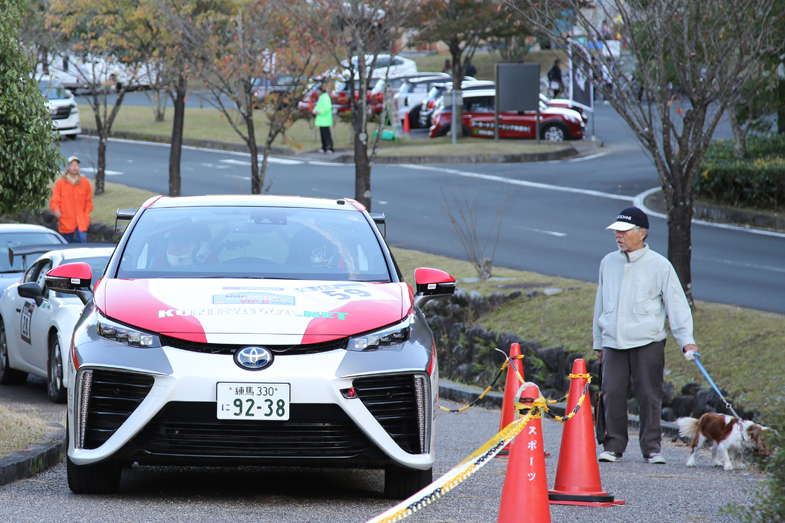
(463, 470)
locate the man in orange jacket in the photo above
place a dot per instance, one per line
(72, 201)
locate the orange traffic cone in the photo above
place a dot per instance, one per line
(578, 475)
(406, 127)
(511, 386)
(525, 493)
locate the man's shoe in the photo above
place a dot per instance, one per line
(655, 458)
(609, 456)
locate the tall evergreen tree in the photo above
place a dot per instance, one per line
(29, 156)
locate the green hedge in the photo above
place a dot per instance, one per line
(757, 181)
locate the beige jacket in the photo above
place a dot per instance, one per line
(633, 298)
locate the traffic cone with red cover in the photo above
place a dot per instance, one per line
(406, 127)
(511, 386)
(525, 493)
(578, 475)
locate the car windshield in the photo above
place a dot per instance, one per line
(97, 265)
(10, 240)
(254, 242)
(52, 90)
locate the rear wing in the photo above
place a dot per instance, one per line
(26, 250)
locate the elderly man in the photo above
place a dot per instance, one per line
(637, 289)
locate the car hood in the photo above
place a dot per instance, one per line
(257, 311)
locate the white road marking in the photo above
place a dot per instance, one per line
(107, 172)
(740, 264)
(551, 233)
(522, 183)
(590, 157)
(325, 164)
(382, 202)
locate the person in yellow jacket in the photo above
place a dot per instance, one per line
(72, 201)
(324, 119)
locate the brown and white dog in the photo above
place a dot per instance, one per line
(728, 436)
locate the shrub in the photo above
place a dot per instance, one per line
(758, 181)
(768, 505)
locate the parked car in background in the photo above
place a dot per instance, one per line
(386, 65)
(428, 103)
(564, 104)
(411, 93)
(263, 87)
(252, 330)
(36, 323)
(556, 123)
(391, 86)
(62, 107)
(17, 235)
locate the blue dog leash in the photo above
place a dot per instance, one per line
(697, 361)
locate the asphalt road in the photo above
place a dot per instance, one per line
(653, 493)
(554, 224)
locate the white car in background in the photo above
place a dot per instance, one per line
(36, 323)
(62, 107)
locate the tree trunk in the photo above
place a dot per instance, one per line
(739, 134)
(456, 125)
(781, 106)
(257, 181)
(100, 168)
(362, 167)
(680, 236)
(176, 149)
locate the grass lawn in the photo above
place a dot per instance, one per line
(19, 430)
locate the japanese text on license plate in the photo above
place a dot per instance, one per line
(253, 401)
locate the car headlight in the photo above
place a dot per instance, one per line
(389, 336)
(120, 333)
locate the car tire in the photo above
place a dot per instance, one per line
(55, 390)
(400, 482)
(414, 118)
(98, 478)
(71, 136)
(445, 130)
(554, 132)
(8, 376)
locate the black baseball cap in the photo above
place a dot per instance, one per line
(629, 218)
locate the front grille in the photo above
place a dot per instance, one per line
(192, 429)
(392, 401)
(280, 350)
(62, 113)
(114, 396)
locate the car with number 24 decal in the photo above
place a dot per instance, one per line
(35, 323)
(251, 330)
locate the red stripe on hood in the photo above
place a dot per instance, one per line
(358, 316)
(131, 302)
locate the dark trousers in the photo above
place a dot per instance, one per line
(644, 366)
(327, 139)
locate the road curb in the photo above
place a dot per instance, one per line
(35, 458)
(568, 151)
(560, 154)
(493, 400)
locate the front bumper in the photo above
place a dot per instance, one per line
(158, 406)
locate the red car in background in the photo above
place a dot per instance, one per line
(556, 124)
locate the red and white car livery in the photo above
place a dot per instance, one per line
(242, 330)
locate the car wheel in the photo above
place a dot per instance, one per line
(71, 136)
(400, 482)
(445, 130)
(414, 118)
(55, 390)
(8, 376)
(554, 132)
(98, 478)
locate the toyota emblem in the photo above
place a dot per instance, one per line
(253, 358)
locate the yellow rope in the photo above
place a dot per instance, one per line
(488, 389)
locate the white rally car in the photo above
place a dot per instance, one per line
(35, 323)
(252, 330)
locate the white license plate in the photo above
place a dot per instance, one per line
(253, 401)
